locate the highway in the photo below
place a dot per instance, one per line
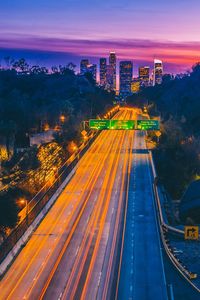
(70, 255)
(141, 273)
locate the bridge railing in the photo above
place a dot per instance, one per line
(164, 228)
(39, 201)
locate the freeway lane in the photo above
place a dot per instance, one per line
(34, 261)
(76, 231)
(142, 272)
(85, 264)
(86, 275)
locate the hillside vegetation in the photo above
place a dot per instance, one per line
(177, 102)
(32, 100)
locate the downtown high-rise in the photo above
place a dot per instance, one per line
(92, 69)
(144, 75)
(86, 67)
(111, 72)
(103, 71)
(125, 77)
(157, 72)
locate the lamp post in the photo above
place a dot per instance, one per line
(55, 170)
(62, 119)
(24, 201)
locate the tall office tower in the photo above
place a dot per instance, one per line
(157, 72)
(125, 77)
(112, 71)
(144, 76)
(109, 77)
(93, 70)
(103, 71)
(83, 66)
(135, 86)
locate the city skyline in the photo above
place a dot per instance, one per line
(119, 76)
(70, 30)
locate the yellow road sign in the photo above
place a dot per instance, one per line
(191, 232)
(158, 133)
(84, 132)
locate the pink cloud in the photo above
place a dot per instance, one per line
(182, 54)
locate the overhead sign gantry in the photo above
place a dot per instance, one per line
(100, 124)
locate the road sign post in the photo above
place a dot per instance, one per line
(191, 232)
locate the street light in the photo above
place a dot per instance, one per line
(62, 118)
(55, 171)
(24, 201)
(85, 137)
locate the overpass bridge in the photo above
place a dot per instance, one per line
(75, 251)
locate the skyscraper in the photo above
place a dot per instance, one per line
(125, 74)
(86, 67)
(103, 71)
(93, 70)
(135, 86)
(158, 72)
(111, 74)
(144, 76)
(83, 66)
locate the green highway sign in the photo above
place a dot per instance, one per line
(122, 124)
(99, 124)
(148, 125)
(112, 124)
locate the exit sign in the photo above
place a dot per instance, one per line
(122, 124)
(99, 124)
(112, 124)
(148, 125)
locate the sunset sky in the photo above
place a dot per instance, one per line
(58, 31)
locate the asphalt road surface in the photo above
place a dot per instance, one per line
(142, 273)
(70, 254)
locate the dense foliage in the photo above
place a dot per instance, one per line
(8, 211)
(32, 99)
(177, 102)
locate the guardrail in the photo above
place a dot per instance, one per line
(39, 201)
(164, 228)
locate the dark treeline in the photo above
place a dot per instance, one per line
(32, 97)
(177, 102)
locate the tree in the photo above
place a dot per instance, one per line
(71, 66)
(36, 70)
(9, 61)
(7, 130)
(21, 66)
(8, 211)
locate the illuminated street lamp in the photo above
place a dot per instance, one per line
(75, 148)
(158, 134)
(55, 170)
(24, 201)
(62, 118)
(72, 147)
